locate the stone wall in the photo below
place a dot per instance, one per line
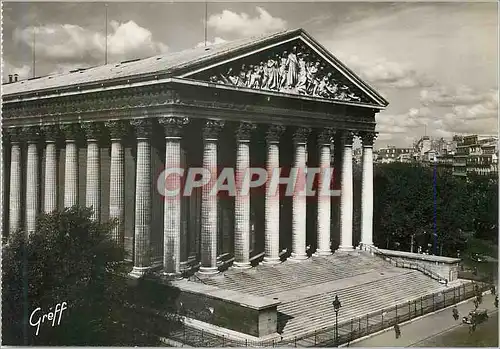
(256, 316)
(446, 267)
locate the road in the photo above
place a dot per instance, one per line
(424, 327)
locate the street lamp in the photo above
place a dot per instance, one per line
(336, 307)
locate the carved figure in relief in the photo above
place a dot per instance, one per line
(254, 81)
(311, 77)
(273, 74)
(320, 89)
(282, 70)
(249, 74)
(292, 65)
(302, 81)
(295, 71)
(265, 75)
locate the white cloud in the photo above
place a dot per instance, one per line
(385, 74)
(461, 95)
(217, 40)
(72, 44)
(244, 25)
(8, 68)
(443, 113)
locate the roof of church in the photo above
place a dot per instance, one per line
(168, 65)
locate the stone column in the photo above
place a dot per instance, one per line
(117, 130)
(211, 133)
(51, 135)
(32, 135)
(324, 199)
(172, 208)
(143, 185)
(299, 195)
(15, 179)
(93, 132)
(242, 199)
(346, 199)
(367, 189)
(272, 204)
(72, 135)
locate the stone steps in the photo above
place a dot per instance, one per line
(317, 313)
(266, 280)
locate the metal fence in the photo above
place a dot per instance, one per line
(347, 330)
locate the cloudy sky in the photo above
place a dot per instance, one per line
(437, 64)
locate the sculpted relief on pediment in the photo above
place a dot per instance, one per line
(292, 68)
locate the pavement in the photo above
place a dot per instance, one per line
(430, 325)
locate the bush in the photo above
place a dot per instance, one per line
(69, 258)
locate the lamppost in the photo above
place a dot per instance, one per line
(336, 307)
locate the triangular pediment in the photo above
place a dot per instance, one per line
(298, 66)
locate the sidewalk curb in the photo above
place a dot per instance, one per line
(409, 321)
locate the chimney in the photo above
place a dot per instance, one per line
(10, 78)
(15, 77)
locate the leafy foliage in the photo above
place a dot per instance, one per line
(407, 203)
(69, 258)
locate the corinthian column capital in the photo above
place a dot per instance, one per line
(143, 127)
(274, 133)
(118, 129)
(244, 131)
(72, 132)
(325, 136)
(93, 130)
(300, 135)
(51, 133)
(14, 134)
(31, 134)
(212, 129)
(368, 137)
(173, 126)
(347, 137)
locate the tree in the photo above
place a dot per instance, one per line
(69, 258)
(406, 206)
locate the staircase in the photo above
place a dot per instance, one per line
(363, 282)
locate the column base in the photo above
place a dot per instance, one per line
(138, 272)
(298, 257)
(242, 265)
(271, 260)
(171, 276)
(320, 253)
(345, 249)
(363, 246)
(208, 270)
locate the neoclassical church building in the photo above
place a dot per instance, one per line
(102, 136)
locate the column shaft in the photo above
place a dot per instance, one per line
(209, 200)
(93, 198)
(346, 199)
(50, 190)
(32, 187)
(15, 188)
(172, 210)
(71, 174)
(173, 197)
(117, 190)
(299, 212)
(324, 199)
(242, 199)
(367, 190)
(142, 228)
(272, 203)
